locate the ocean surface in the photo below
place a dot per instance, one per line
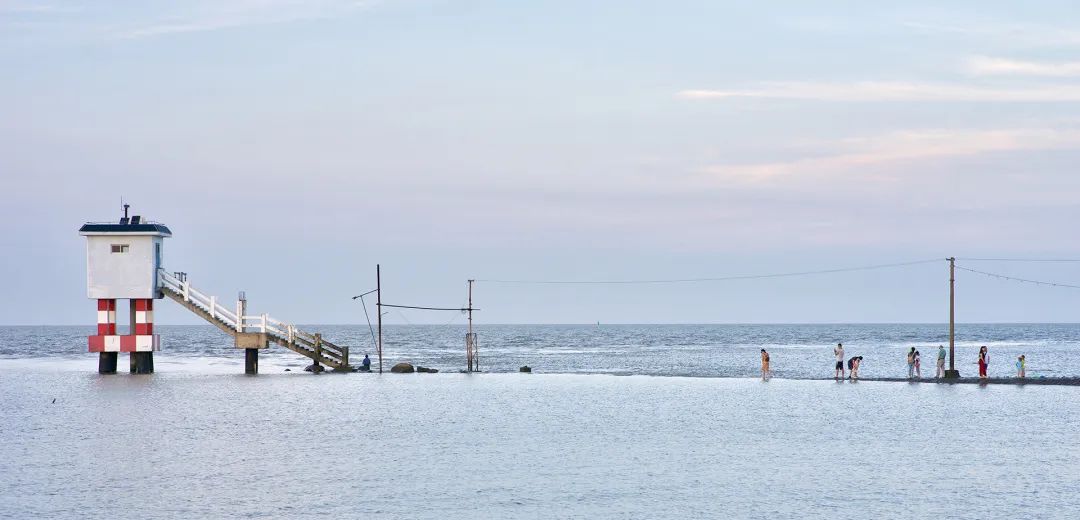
(796, 351)
(593, 433)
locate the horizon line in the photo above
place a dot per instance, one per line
(593, 324)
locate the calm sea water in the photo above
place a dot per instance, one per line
(198, 439)
(796, 351)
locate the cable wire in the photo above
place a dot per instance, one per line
(717, 279)
(1019, 259)
(1023, 280)
(374, 344)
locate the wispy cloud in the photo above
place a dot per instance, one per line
(213, 16)
(871, 91)
(1013, 33)
(850, 155)
(987, 66)
(35, 8)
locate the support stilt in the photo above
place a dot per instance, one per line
(107, 363)
(144, 362)
(251, 361)
(131, 362)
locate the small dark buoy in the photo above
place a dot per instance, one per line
(288, 370)
(526, 369)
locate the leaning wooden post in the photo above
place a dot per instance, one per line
(952, 373)
(318, 348)
(378, 308)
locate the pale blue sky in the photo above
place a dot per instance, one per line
(291, 145)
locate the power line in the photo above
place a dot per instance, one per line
(461, 309)
(1020, 259)
(717, 279)
(1023, 280)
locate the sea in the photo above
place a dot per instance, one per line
(614, 421)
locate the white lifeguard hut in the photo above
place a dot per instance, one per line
(122, 263)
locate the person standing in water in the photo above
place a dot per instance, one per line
(853, 367)
(940, 362)
(764, 365)
(1021, 367)
(984, 360)
(918, 365)
(839, 352)
(911, 363)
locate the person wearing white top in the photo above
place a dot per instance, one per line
(839, 351)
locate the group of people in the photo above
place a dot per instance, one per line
(984, 361)
(852, 364)
(914, 364)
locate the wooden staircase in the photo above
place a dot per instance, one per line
(264, 328)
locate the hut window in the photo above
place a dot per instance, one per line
(119, 248)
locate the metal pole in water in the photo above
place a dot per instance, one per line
(470, 343)
(378, 306)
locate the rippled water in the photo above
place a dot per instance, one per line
(184, 443)
(797, 351)
(198, 439)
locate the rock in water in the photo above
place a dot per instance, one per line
(525, 369)
(427, 370)
(402, 368)
(314, 368)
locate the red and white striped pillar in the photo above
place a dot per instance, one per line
(142, 337)
(106, 339)
(140, 340)
(106, 317)
(101, 343)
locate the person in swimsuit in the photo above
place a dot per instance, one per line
(911, 363)
(918, 365)
(984, 360)
(764, 365)
(1021, 366)
(839, 351)
(853, 367)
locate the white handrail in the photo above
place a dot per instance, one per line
(265, 323)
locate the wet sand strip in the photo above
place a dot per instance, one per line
(1057, 381)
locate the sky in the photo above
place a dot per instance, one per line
(293, 145)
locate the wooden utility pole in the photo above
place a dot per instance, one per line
(952, 373)
(470, 342)
(378, 309)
